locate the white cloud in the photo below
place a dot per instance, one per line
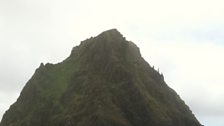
(5, 100)
(196, 72)
(184, 38)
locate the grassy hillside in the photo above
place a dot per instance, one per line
(104, 82)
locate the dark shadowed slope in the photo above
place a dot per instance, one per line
(104, 82)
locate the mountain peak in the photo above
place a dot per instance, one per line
(113, 31)
(105, 82)
(111, 34)
(108, 44)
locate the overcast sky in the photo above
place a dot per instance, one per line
(183, 38)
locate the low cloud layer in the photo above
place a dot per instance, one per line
(184, 39)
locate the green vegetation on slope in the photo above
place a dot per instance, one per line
(104, 82)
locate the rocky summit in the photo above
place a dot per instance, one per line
(104, 82)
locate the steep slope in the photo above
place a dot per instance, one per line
(104, 82)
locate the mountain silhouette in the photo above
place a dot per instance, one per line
(104, 82)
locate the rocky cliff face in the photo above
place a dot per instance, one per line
(104, 82)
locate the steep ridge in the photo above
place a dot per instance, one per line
(104, 82)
